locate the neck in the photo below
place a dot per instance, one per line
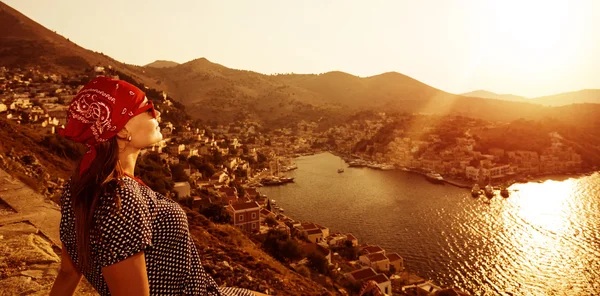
(128, 159)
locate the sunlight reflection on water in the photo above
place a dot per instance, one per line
(542, 240)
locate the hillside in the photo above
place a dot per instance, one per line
(38, 159)
(162, 64)
(213, 92)
(25, 43)
(568, 98)
(490, 95)
(217, 94)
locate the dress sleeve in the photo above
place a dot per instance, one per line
(123, 232)
(67, 220)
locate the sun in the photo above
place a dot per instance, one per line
(530, 36)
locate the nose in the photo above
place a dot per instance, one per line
(156, 114)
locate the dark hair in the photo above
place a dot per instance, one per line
(101, 177)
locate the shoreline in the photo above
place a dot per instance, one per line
(462, 183)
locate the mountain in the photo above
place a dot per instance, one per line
(162, 64)
(25, 43)
(490, 95)
(218, 94)
(575, 97)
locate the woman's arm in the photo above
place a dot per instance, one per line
(128, 277)
(68, 276)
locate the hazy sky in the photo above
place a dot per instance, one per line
(524, 47)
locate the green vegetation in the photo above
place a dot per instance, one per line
(283, 248)
(216, 213)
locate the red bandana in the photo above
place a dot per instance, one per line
(99, 111)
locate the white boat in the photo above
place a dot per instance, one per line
(435, 178)
(488, 190)
(387, 167)
(476, 191)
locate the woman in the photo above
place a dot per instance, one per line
(123, 237)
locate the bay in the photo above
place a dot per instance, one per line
(542, 240)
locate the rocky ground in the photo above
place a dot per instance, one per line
(29, 252)
(30, 248)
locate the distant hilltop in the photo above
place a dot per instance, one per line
(162, 64)
(490, 95)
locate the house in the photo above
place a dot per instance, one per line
(361, 274)
(426, 288)
(353, 239)
(309, 225)
(264, 213)
(378, 261)
(383, 282)
(252, 193)
(372, 250)
(228, 194)
(201, 202)
(182, 189)
(451, 292)
(336, 240)
(314, 235)
(246, 216)
(396, 261)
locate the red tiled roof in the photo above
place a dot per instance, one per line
(244, 206)
(314, 231)
(375, 257)
(308, 225)
(363, 273)
(372, 249)
(394, 257)
(380, 278)
(265, 212)
(351, 237)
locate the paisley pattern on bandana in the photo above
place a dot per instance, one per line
(88, 109)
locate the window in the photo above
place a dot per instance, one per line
(386, 290)
(253, 225)
(253, 215)
(241, 218)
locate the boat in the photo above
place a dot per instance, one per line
(387, 167)
(274, 181)
(476, 191)
(435, 178)
(504, 192)
(281, 210)
(340, 170)
(488, 190)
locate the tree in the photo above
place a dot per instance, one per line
(271, 221)
(303, 271)
(178, 173)
(216, 213)
(279, 244)
(318, 262)
(240, 190)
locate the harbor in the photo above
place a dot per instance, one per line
(443, 233)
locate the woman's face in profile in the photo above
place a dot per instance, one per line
(144, 128)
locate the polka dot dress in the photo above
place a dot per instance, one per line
(147, 222)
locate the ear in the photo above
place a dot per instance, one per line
(123, 134)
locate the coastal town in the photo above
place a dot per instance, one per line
(218, 170)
